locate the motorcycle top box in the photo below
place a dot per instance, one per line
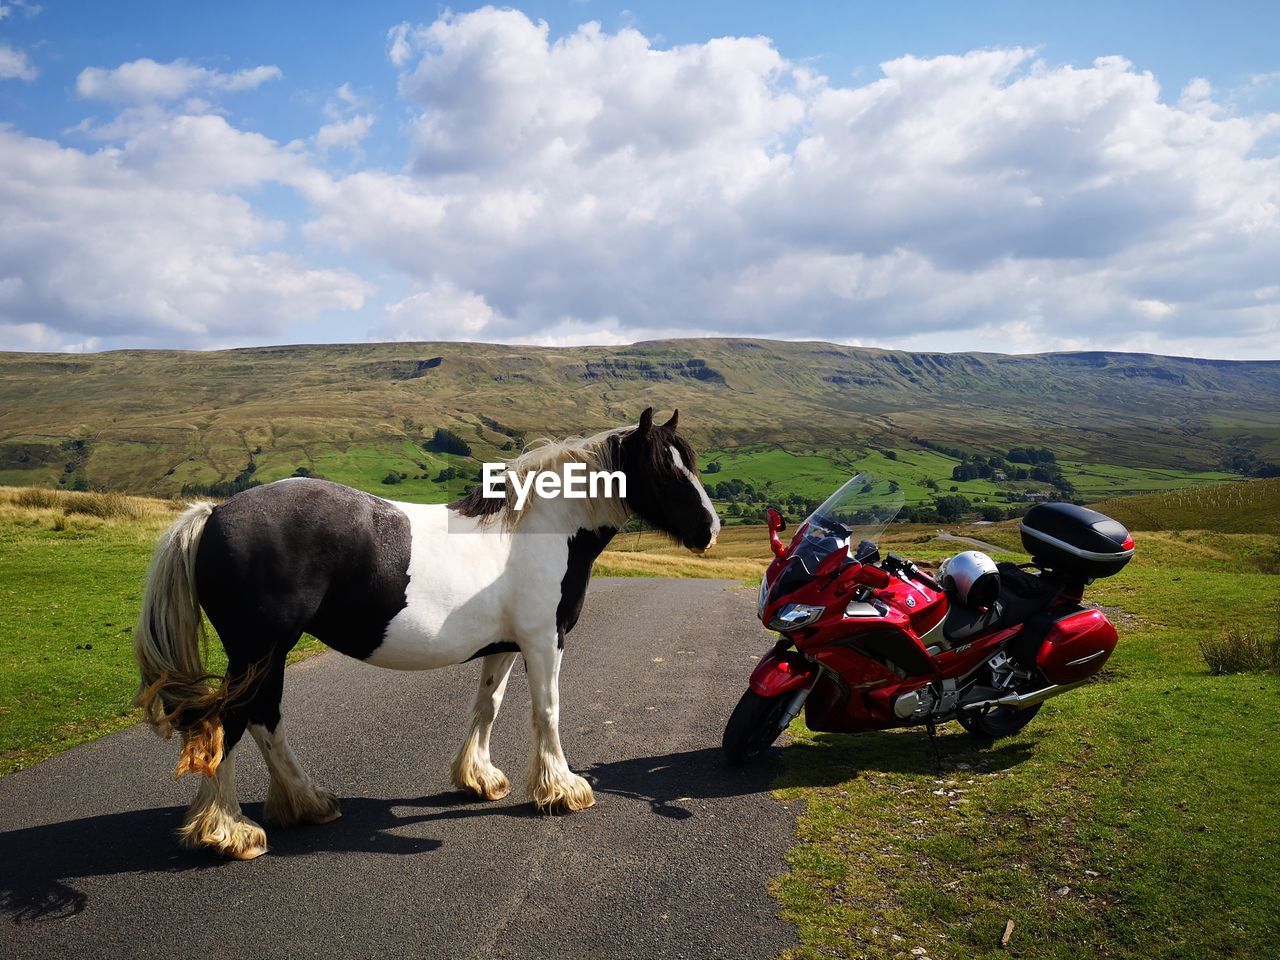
(1075, 541)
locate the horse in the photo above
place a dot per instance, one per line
(398, 585)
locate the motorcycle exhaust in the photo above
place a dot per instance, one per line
(1021, 701)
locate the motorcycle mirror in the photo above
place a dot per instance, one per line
(867, 552)
(777, 523)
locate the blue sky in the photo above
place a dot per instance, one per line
(918, 175)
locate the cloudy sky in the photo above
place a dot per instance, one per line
(1015, 177)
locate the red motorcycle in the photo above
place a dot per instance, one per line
(869, 643)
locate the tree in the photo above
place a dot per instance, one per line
(952, 506)
(712, 467)
(391, 478)
(446, 441)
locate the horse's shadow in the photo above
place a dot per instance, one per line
(41, 864)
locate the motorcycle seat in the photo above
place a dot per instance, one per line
(1022, 596)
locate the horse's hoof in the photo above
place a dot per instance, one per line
(490, 784)
(287, 809)
(247, 841)
(494, 785)
(228, 835)
(246, 853)
(569, 795)
(325, 808)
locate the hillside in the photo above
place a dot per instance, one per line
(154, 421)
(1252, 507)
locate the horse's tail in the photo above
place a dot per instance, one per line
(177, 691)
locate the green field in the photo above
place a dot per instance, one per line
(813, 473)
(70, 591)
(68, 603)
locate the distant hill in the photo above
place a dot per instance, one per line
(156, 421)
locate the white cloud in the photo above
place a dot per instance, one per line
(16, 6)
(398, 49)
(598, 188)
(443, 311)
(344, 133)
(346, 101)
(115, 248)
(15, 65)
(721, 187)
(145, 80)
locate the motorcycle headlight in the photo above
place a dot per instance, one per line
(794, 616)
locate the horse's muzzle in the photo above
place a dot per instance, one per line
(702, 551)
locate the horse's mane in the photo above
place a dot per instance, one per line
(598, 452)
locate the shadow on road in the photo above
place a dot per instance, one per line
(40, 863)
(664, 782)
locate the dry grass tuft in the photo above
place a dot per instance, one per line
(106, 506)
(67, 510)
(38, 498)
(1237, 650)
(623, 564)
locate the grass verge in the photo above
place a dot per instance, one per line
(71, 575)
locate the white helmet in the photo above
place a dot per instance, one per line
(973, 578)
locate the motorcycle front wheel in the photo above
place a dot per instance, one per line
(756, 722)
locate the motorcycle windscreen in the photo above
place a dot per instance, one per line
(860, 510)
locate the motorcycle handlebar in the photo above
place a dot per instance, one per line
(924, 578)
(909, 569)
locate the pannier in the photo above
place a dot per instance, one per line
(1075, 541)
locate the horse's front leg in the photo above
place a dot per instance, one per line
(472, 769)
(552, 785)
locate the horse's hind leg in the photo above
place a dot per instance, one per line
(292, 796)
(472, 769)
(214, 819)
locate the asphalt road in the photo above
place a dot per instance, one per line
(969, 541)
(673, 861)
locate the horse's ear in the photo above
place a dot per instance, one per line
(671, 424)
(646, 422)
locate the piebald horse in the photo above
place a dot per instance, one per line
(399, 585)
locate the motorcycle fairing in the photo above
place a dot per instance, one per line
(781, 671)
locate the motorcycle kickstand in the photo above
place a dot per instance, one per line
(932, 728)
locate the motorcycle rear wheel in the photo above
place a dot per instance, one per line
(756, 722)
(997, 723)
